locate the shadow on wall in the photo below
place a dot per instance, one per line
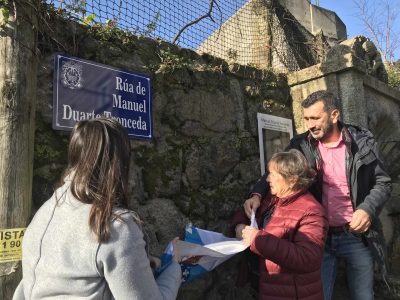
(388, 144)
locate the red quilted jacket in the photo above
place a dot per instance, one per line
(290, 246)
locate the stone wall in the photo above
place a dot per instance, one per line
(315, 18)
(265, 34)
(243, 38)
(204, 156)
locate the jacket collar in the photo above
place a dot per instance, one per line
(289, 199)
(347, 139)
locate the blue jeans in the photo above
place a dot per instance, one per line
(359, 265)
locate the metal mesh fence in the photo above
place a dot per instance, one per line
(224, 28)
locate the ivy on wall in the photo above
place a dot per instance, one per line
(393, 71)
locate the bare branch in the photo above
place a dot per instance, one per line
(207, 15)
(379, 19)
(370, 22)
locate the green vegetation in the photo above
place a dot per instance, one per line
(152, 25)
(4, 12)
(171, 61)
(393, 71)
(75, 9)
(232, 55)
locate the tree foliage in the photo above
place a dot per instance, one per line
(393, 71)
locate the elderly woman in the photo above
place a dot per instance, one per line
(293, 226)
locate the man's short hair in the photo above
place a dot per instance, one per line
(329, 100)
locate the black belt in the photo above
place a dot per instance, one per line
(338, 229)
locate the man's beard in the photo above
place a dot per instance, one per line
(327, 131)
(324, 132)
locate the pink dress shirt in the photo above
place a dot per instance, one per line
(335, 191)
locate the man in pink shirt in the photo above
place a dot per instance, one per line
(353, 187)
(335, 191)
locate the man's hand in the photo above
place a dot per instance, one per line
(251, 204)
(249, 234)
(360, 222)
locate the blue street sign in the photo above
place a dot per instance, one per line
(84, 89)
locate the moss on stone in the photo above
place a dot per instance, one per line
(50, 160)
(158, 169)
(50, 147)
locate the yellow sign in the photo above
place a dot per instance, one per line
(11, 244)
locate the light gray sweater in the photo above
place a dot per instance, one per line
(61, 258)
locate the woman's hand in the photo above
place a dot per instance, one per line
(155, 262)
(177, 256)
(249, 234)
(238, 230)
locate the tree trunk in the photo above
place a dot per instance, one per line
(18, 65)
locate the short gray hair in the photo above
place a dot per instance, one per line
(293, 164)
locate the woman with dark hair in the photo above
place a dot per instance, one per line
(293, 227)
(84, 242)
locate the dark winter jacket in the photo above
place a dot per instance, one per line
(290, 246)
(368, 182)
